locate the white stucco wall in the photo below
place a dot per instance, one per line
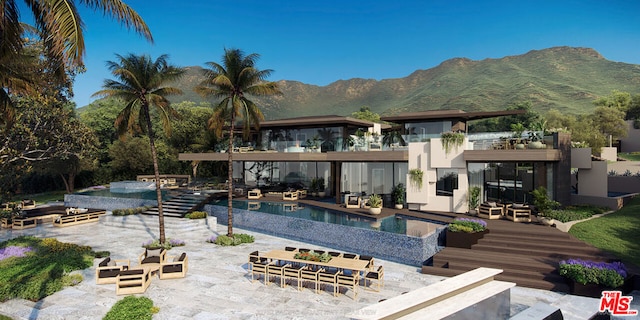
(581, 158)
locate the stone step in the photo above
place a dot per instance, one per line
(143, 222)
(551, 253)
(525, 246)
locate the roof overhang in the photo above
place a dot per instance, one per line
(449, 114)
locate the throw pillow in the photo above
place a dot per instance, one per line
(153, 253)
(492, 204)
(111, 263)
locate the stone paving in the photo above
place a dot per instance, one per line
(217, 285)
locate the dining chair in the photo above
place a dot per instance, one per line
(293, 249)
(309, 274)
(276, 270)
(335, 254)
(293, 272)
(349, 281)
(258, 266)
(376, 277)
(328, 277)
(367, 258)
(349, 255)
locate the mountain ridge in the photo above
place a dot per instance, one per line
(563, 78)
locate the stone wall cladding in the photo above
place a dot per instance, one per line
(105, 203)
(383, 245)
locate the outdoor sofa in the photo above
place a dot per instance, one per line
(491, 210)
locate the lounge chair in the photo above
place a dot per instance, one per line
(108, 270)
(518, 213)
(490, 210)
(28, 204)
(152, 256)
(174, 267)
(254, 194)
(352, 201)
(133, 281)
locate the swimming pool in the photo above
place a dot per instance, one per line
(414, 241)
(393, 224)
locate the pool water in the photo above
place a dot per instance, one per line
(393, 224)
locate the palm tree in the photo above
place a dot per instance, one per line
(231, 80)
(58, 24)
(141, 84)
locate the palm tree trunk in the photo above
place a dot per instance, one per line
(156, 171)
(230, 183)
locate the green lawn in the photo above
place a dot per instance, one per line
(618, 232)
(632, 156)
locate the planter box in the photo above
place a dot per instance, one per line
(463, 239)
(595, 290)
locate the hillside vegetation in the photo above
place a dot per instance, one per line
(563, 78)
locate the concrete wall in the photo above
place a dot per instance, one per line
(430, 157)
(624, 184)
(593, 182)
(581, 158)
(632, 142)
(609, 154)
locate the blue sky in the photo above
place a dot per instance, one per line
(319, 42)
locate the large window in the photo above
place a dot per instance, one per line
(447, 182)
(423, 131)
(512, 182)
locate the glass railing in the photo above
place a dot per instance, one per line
(506, 141)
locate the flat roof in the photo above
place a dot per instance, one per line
(315, 121)
(449, 114)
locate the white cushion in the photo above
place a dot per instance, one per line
(111, 263)
(153, 253)
(492, 204)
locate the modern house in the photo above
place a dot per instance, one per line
(357, 156)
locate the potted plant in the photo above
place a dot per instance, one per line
(415, 177)
(313, 187)
(474, 199)
(543, 205)
(465, 232)
(321, 188)
(375, 204)
(451, 139)
(589, 278)
(397, 193)
(518, 129)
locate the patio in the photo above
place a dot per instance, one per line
(217, 285)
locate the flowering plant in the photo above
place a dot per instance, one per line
(610, 275)
(14, 251)
(468, 225)
(312, 256)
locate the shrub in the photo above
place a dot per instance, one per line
(573, 213)
(153, 244)
(196, 215)
(237, 239)
(131, 308)
(468, 225)
(129, 211)
(49, 267)
(71, 280)
(610, 275)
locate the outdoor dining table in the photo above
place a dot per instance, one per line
(335, 262)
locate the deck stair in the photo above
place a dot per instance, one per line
(181, 204)
(528, 253)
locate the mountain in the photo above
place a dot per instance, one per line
(563, 78)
